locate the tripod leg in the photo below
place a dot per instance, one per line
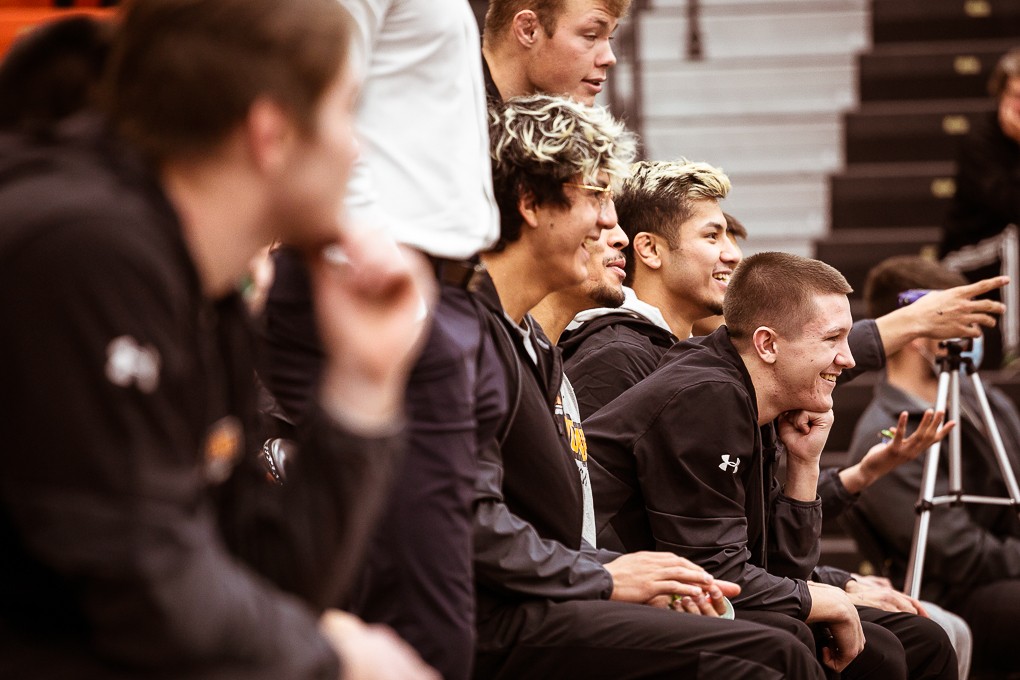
(1000, 449)
(919, 544)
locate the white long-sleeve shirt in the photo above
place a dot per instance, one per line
(424, 174)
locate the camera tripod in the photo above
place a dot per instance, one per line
(957, 357)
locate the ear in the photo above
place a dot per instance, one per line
(525, 27)
(270, 134)
(648, 249)
(528, 207)
(764, 342)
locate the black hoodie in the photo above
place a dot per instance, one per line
(607, 355)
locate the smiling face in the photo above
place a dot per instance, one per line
(606, 263)
(564, 236)
(697, 273)
(575, 60)
(806, 366)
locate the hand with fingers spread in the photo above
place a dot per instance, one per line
(663, 580)
(886, 456)
(942, 314)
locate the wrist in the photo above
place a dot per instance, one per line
(855, 479)
(367, 405)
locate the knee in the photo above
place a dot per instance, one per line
(883, 656)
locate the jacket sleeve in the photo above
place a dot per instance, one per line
(832, 576)
(835, 497)
(604, 373)
(867, 349)
(108, 493)
(513, 559)
(794, 529)
(695, 495)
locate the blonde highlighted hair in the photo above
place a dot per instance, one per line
(539, 142)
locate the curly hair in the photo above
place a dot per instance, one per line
(539, 142)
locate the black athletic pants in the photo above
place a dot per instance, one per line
(897, 645)
(606, 640)
(419, 578)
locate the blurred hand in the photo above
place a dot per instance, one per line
(1009, 119)
(372, 652)
(371, 302)
(881, 458)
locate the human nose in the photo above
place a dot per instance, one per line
(607, 214)
(618, 238)
(731, 252)
(845, 359)
(606, 57)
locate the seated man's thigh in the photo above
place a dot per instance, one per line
(605, 639)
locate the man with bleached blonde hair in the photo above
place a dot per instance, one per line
(549, 603)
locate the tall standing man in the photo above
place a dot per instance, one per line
(123, 248)
(424, 177)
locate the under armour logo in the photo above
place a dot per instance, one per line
(726, 464)
(129, 363)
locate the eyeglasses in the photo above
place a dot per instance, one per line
(605, 194)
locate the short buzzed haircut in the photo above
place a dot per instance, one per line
(501, 14)
(894, 275)
(659, 196)
(183, 74)
(778, 290)
(540, 142)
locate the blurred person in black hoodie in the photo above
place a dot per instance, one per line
(140, 537)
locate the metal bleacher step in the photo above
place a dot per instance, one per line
(947, 70)
(751, 143)
(921, 20)
(855, 251)
(756, 29)
(786, 84)
(891, 195)
(897, 132)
